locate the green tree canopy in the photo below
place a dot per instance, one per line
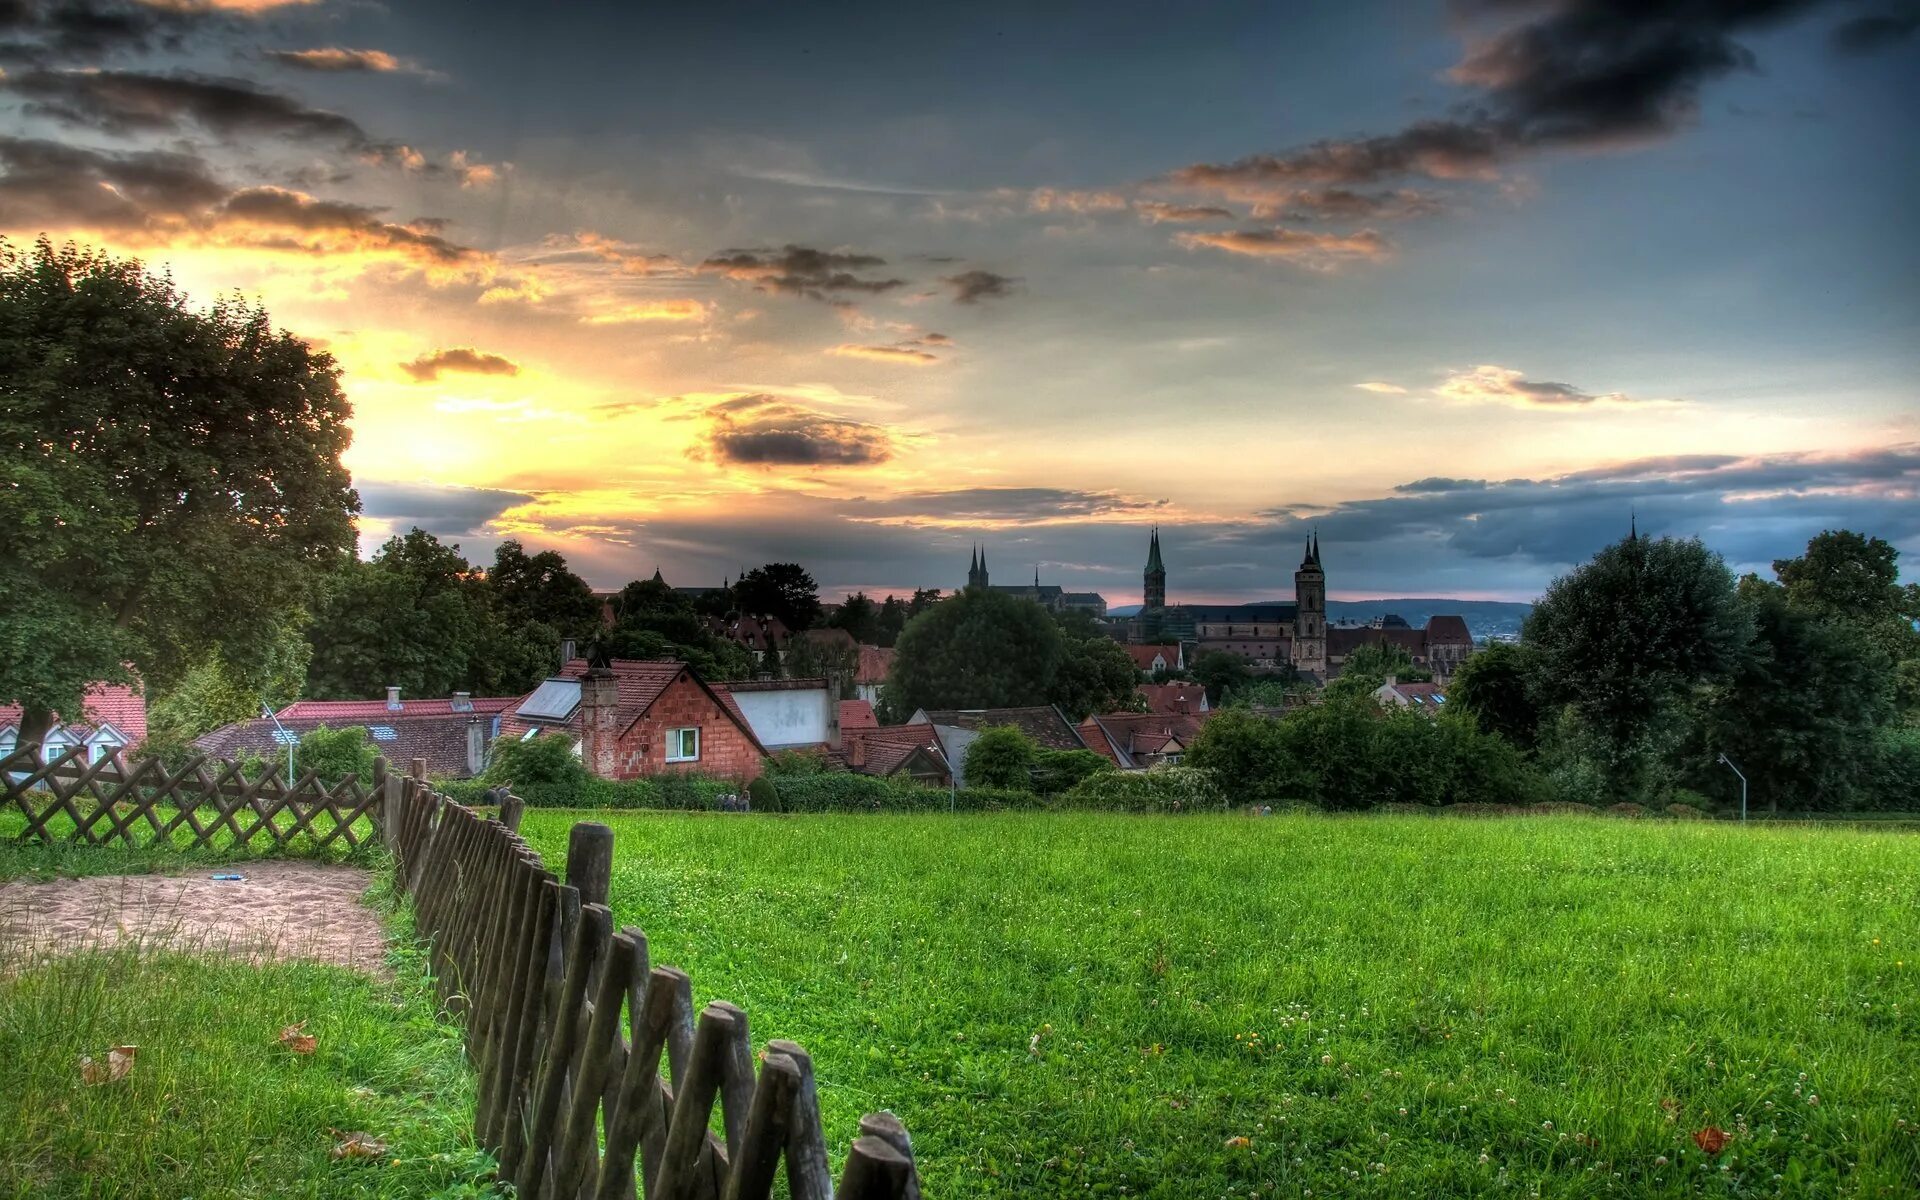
(1220, 672)
(782, 590)
(1495, 687)
(170, 479)
(1624, 636)
(1096, 675)
(860, 617)
(975, 649)
(528, 589)
(412, 618)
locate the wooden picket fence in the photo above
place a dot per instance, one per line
(205, 804)
(571, 1100)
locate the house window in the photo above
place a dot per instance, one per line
(683, 745)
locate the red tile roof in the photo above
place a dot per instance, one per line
(856, 715)
(1173, 697)
(377, 710)
(1131, 734)
(441, 739)
(113, 704)
(887, 748)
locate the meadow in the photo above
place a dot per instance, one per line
(215, 1105)
(1087, 1004)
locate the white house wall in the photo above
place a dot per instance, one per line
(788, 717)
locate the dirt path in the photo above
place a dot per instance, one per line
(281, 910)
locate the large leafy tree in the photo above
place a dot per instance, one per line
(976, 649)
(1800, 711)
(1220, 672)
(540, 589)
(1625, 636)
(1849, 577)
(170, 479)
(654, 621)
(860, 617)
(782, 590)
(414, 617)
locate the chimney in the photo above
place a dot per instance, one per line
(393, 699)
(462, 702)
(856, 752)
(1391, 680)
(599, 706)
(476, 746)
(566, 651)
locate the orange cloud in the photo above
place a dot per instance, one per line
(1489, 384)
(338, 58)
(1315, 251)
(655, 310)
(908, 354)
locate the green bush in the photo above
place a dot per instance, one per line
(1001, 757)
(763, 796)
(1055, 771)
(672, 792)
(1163, 789)
(797, 762)
(540, 762)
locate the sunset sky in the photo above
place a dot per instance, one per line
(703, 286)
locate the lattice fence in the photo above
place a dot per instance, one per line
(205, 804)
(571, 1096)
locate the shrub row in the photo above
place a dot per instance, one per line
(668, 792)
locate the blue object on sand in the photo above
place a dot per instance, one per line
(227, 877)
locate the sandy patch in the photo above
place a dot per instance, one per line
(282, 910)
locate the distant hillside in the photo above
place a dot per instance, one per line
(1485, 618)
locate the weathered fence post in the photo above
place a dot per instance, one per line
(590, 861)
(512, 808)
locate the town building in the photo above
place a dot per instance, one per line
(1277, 635)
(453, 745)
(640, 717)
(113, 719)
(1424, 696)
(1173, 697)
(1049, 596)
(1137, 741)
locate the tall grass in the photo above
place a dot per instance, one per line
(215, 1105)
(1382, 1006)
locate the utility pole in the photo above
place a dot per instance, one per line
(1743, 786)
(286, 739)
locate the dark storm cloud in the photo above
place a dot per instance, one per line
(761, 430)
(50, 185)
(802, 271)
(466, 359)
(345, 226)
(1570, 73)
(1864, 35)
(971, 287)
(436, 508)
(125, 102)
(47, 32)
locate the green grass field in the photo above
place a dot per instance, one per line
(1098, 1005)
(214, 1106)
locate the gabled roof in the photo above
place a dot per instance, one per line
(1044, 723)
(1449, 630)
(113, 704)
(1143, 655)
(640, 682)
(1132, 736)
(1343, 640)
(815, 684)
(377, 710)
(888, 748)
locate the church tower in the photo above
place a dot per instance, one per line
(977, 569)
(1310, 612)
(1156, 595)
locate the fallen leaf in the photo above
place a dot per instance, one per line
(300, 1043)
(119, 1062)
(356, 1145)
(1712, 1139)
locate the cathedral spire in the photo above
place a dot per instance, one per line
(1316, 547)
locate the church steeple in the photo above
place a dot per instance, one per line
(1156, 574)
(977, 568)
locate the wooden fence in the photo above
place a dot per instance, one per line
(203, 804)
(571, 1098)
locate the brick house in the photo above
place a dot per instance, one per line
(635, 718)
